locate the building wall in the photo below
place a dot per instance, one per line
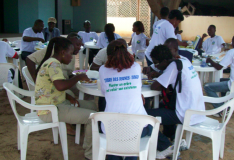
(92, 10)
(67, 11)
(198, 25)
(46, 9)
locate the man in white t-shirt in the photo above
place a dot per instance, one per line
(177, 33)
(225, 83)
(89, 36)
(163, 31)
(191, 96)
(212, 45)
(164, 12)
(31, 36)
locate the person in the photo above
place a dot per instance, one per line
(37, 57)
(163, 31)
(121, 70)
(106, 37)
(5, 40)
(88, 36)
(225, 84)
(50, 90)
(164, 12)
(191, 97)
(31, 36)
(7, 51)
(51, 31)
(139, 40)
(212, 45)
(177, 33)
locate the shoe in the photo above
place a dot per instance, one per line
(165, 153)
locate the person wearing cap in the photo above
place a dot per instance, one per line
(50, 31)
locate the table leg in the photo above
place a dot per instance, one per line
(87, 58)
(81, 95)
(156, 101)
(202, 78)
(16, 62)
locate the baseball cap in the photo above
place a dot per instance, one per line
(52, 19)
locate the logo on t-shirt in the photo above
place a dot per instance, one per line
(138, 42)
(213, 42)
(91, 38)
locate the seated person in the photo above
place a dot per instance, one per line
(37, 57)
(50, 90)
(31, 36)
(88, 36)
(108, 36)
(177, 33)
(191, 96)
(225, 83)
(212, 45)
(121, 100)
(164, 13)
(139, 40)
(7, 51)
(51, 31)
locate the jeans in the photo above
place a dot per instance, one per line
(146, 132)
(148, 61)
(212, 88)
(169, 121)
(92, 54)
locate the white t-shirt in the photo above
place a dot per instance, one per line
(162, 32)
(213, 45)
(29, 46)
(179, 37)
(88, 37)
(227, 60)
(191, 96)
(101, 57)
(139, 43)
(103, 40)
(6, 51)
(157, 23)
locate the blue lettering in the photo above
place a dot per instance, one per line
(115, 78)
(108, 80)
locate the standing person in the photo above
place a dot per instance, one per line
(139, 40)
(88, 36)
(50, 90)
(190, 97)
(163, 31)
(120, 69)
(212, 45)
(31, 36)
(108, 36)
(177, 33)
(225, 84)
(164, 12)
(51, 31)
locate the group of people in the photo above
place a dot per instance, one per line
(55, 84)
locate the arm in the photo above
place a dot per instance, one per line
(202, 39)
(130, 42)
(215, 65)
(16, 56)
(95, 67)
(185, 44)
(31, 39)
(147, 42)
(156, 86)
(31, 68)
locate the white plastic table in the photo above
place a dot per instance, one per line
(89, 45)
(93, 90)
(214, 74)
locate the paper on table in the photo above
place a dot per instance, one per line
(92, 74)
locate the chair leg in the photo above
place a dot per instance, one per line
(222, 143)
(102, 154)
(55, 134)
(216, 146)
(143, 63)
(189, 136)
(77, 138)
(144, 155)
(178, 137)
(18, 136)
(63, 139)
(23, 142)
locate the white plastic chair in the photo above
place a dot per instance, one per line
(210, 127)
(140, 60)
(31, 122)
(4, 68)
(123, 135)
(81, 58)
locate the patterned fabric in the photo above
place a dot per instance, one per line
(45, 91)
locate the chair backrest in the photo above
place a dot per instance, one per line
(4, 68)
(28, 78)
(123, 131)
(196, 42)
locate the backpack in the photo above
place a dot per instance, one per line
(169, 94)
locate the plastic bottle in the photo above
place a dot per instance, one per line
(203, 64)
